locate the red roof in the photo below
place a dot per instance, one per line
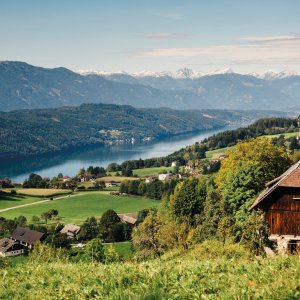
(290, 178)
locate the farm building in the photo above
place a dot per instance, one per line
(26, 236)
(71, 230)
(9, 247)
(164, 177)
(129, 218)
(110, 184)
(22, 240)
(281, 204)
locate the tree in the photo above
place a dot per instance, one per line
(242, 176)
(52, 213)
(35, 219)
(107, 225)
(89, 229)
(271, 160)
(294, 144)
(34, 181)
(94, 250)
(45, 216)
(189, 197)
(21, 220)
(145, 237)
(111, 255)
(58, 240)
(254, 233)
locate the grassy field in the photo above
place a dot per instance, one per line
(40, 192)
(210, 154)
(115, 178)
(76, 209)
(7, 200)
(151, 171)
(286, 135)
(173, 278)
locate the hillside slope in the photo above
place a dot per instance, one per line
(23, 86)
(28, 132)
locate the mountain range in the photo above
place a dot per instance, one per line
(23, 86)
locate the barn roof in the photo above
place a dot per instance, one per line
(6, 244)
(290, 178)
(26, 235)
(130, 218)
(70, 228)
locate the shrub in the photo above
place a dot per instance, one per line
(214, 249)
(94, 250)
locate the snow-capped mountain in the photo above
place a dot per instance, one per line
(26, 86)
(187, 73)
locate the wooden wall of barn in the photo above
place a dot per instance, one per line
(282, 208)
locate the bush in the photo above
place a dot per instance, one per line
(80, 188)
(214, 249)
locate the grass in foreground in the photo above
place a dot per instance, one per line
(182, 277)
(78, 208)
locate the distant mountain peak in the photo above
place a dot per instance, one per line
(187, 73)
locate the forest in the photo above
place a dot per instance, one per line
(31, 132)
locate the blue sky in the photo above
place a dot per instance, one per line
(135, 35)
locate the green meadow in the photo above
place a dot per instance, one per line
(151, 171)
(76, 209)
(7, 200)
(174, 276)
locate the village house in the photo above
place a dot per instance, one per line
(66, 178)
(173, 164)
(70, 230)
(281, 205)
(150, 179)
(21, 241)
(164, 177)
(110, 184)
(9, 247)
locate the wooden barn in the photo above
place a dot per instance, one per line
(281, 204)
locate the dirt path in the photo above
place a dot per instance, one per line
(38, 202)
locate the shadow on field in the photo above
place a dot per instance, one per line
(9, 197)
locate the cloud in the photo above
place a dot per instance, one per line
(164, 36)
(265, 50)
(268, 39)
(168, 15)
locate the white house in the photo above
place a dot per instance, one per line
(164, 177)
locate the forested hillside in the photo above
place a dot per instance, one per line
(228, 138)
(28, 132)
(38, 131)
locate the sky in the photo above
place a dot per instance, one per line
(135, 35)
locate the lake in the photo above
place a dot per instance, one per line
(69, 162)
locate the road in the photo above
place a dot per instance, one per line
(38, 202)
